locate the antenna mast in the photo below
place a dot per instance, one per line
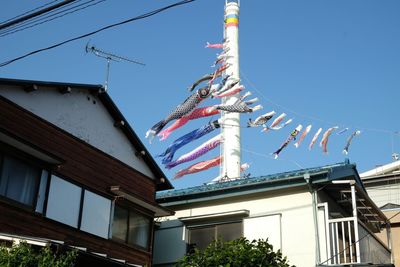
(110, 57)
(231, 150)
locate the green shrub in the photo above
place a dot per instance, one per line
(23, 255)
(240, 252)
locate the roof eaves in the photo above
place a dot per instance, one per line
(162, 183)
(90, 87)
(247, 186)
(262, 183)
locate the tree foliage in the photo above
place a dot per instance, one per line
(23, 255)
(239, 252)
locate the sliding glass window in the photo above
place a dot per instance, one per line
(131, 227)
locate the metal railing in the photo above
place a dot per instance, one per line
(351, 243)
(343, 237)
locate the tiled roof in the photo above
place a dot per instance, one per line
(246, 182)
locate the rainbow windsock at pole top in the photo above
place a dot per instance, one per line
(231, 20)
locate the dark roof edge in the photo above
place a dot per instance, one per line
(9, 81)
(162, 183)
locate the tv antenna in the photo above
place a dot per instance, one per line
(109, 57)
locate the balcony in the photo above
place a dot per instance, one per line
(351, 240)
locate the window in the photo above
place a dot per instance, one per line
(64, 201)
(42, 192)
(96, 214)
(201, 236)
(19, 180)
(131, 227)
(139, 229)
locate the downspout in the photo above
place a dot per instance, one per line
(315, 218)
(389, 240)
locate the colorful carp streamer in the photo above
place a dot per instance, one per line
(208, 45)
(197, 113)
(221, 58)
(198, 167)
(292, 136)
(218, 72)
(343, 131)
(197, 152)
(275, 122)
(261, 120)
(238, 107)
(303, 135)
(230, 92)
(244, 167)
(220, 85)
(314, 139)
(202, 79)
(187, 138)
(346, 148)
(228, 84)
(181, 110)
(325, 138)
(289, 121)
(211, 77)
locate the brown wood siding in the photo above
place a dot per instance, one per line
(35, 225)
(82, 163)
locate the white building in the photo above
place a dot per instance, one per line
(316, 217)
(383, 186)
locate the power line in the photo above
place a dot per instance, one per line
(269, 157)
(38, 17)
(313, 118)
(35, 14)
(27, 12)
(39, 21)
(148, 14)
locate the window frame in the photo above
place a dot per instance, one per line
(139, 212)
(214, 225)
(7, 150)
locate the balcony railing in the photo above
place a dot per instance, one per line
(350, 242)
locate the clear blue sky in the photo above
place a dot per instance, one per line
(324, 63)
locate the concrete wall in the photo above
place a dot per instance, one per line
(295, 235)
(384, 194)
(82, 115)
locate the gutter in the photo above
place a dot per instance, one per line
(237, 190)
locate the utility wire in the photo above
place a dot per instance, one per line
(27, 12)
(35, 14)
(308, 116)
(39, 17)
(148, 14)
(28, 25)
(269, 157)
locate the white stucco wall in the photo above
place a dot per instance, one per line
(384, 194)
(81, 114)
(295, 209)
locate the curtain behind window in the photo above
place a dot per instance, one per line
(18, 180)
(139, 229)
